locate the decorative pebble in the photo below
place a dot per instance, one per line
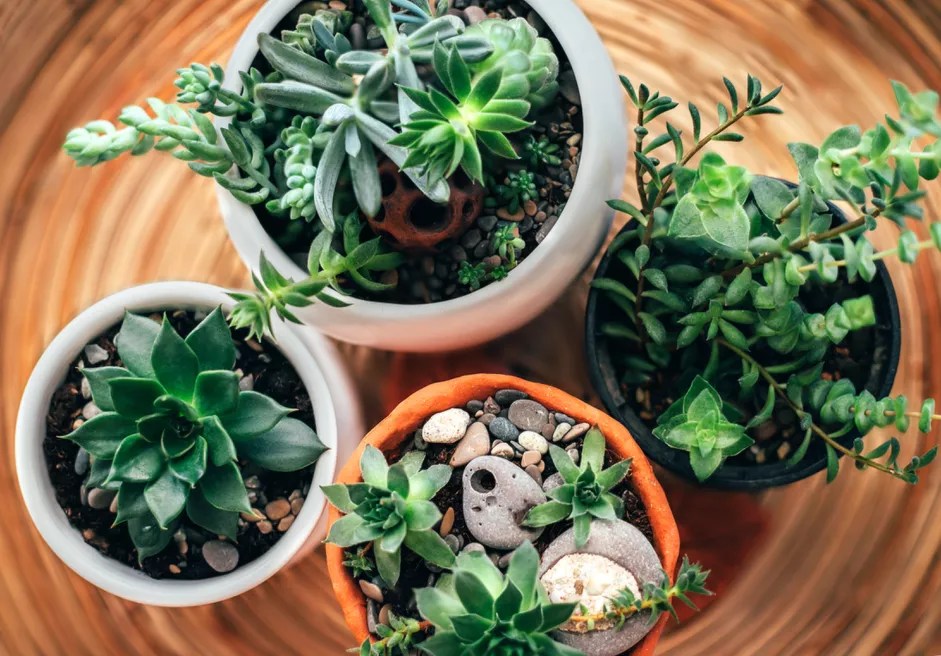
(86, 388)
(247, 383)
(627, 547)
(528, 415)
(474, 547)
(100, 499)
(476, 442)
(297, 504)
(568, 87)
(371, 590)
(552, 482)
(533, 442)
(446, 427)
(174, 569)
(507, 396)
(94, 354)
(577, 431)
(496, 494)
(530, 458)
(486, 418)
(574, 455)
(81, 462)
(453, 542)
(447, 522)
(534, 473)
(384, 614)
(473, 406)
(286, 523)
(503, 429)
(491, 406)
(372, 616)
(220, 555)
(475, 14)
(560, 431)
(264, 527)
(503, 450)
(90, 410)
(278, 509)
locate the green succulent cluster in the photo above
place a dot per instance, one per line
(517, 188)
(696, 423)
(476, 609)
(529, 63)
(725, 276)
(540, 153)
(173, 427)
(585, 493)
(392, 508)
(446, 132)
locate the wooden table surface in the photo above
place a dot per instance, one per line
(849, 569)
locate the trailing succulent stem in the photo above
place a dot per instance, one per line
(726, 271)
(173, 427)
(655, 598)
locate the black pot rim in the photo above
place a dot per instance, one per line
(732, 477)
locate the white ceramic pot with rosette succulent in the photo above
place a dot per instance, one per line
(172, 460)
(405, 174)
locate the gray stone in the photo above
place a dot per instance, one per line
(372, 615)
(446, 427)
(497, 495)
(560, 431)
(491, 406)
(475, 443)
(503, 450)
(507, 396)
(574, 455)
(247, 383)
(577, 431)
(453, 541)
(90, 410)
(534, 473)
(474, 547)
(625, 545)
(475, 14)
(86, 388)
(94, 354)
(568, 87)
(563, 418)
(100, 499)
(533, 442)
(552, 482)
(503, 429)
(528, 415)
(220, 555)
(81, 462)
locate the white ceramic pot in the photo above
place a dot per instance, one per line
(543, 275)
(336, 413)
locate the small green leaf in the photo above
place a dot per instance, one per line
(223, 488)
(212, 343)
(216, 392)
(148, 537)
(174, 363)
(102, 434)
(204, 514)
(166, 498)
(137, 461)
(255, 414)
(98, 383)
(135, 341)
(134, 398)
(290, 446)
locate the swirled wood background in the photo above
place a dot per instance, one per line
(850, 569)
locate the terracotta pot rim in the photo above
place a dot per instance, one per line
(401, 423)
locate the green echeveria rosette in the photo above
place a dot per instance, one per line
(392, 509)
(173, 427)
(525, 58)
(476, 609)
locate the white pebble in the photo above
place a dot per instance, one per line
(446, 427)
(95, 354)
(533, 442)
(90, 410)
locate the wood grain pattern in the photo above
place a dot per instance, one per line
(850, 569)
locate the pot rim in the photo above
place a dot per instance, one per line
(39, 494)
(729, 477)
(597, 82)
(401, 423)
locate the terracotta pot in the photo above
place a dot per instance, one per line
(401, 424)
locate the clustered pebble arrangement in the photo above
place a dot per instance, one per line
(194, 552)
(498, 475)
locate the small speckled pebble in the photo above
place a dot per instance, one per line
(533, 442)
(446, 427)
(502, 429)
(220, 555)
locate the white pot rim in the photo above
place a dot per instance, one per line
(39, 495)
(600, 175)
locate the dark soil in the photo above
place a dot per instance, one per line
(433, 277)
(415, 572)
(273, 376)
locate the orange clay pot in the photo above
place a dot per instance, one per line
(401, 424)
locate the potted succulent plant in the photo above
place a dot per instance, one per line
(744, 328)
(386, 165)
(171, 460)
(487, 514)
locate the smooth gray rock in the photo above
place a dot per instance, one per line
(552, 482)
(625, 545)
(497, 495)
(100, 499)
(507, 396)
(220, 555)
(502, 429)
(528, 415)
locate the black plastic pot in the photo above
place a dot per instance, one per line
(605, 379)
